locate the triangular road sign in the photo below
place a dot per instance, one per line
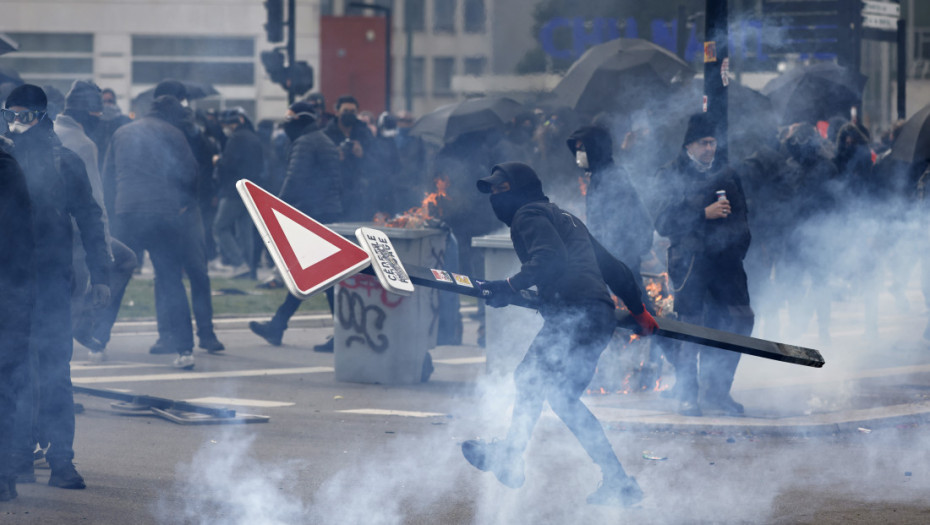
(310, 256)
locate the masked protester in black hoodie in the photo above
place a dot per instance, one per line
(60, 190)
(614, 212)
(709, 235)
(572, 272)
(314, 186)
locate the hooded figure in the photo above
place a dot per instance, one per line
(614, 212)
(314, 186)
(569, 268)
(702, 210)
(60, 191)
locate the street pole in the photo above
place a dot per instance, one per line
(408, 72)
(291, 48)
(902, 68)
(716, 69)
(387, 44)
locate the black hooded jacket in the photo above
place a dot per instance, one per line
(60, 190)
(150, 168)
(313, 182)
(559, 256)
(243, 158)
(17, 260)
(680, 215)
(615, 214)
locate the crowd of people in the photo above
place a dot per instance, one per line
(89, 191)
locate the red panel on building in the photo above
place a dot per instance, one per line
(352, 59)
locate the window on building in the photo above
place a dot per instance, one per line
(475, 66)
(327, 8)
(213, 60)
(443, 69)
(52, 59)
(415, 15)
(417, 76)
(474, 16)
(444, 16)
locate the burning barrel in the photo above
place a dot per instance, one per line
(380, 337)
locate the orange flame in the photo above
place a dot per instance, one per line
(417, 216)
(583, 181)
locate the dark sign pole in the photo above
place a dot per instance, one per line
(716, 70)
(291, 48)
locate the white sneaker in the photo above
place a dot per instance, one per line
(96, 357)
(184, 361)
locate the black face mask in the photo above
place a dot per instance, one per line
(347, 120)
(294, 128)
(506, 204)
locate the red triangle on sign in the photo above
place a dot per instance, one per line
(310, 256)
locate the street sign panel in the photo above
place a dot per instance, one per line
(385, 261)
(885, 23)
(310, 256)
(874, 7)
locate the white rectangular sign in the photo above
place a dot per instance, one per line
(385, 261)
(874, 7)
(885, 23)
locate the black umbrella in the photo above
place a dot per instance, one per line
(913, 141)
(7, 44)
(195, 91)
(449, 122)
(621, 75)
(815, 92)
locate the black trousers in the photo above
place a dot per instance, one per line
(714, 294)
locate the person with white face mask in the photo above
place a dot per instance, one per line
(614, 212)
(60, 190)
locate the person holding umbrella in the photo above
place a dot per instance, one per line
(572, 272)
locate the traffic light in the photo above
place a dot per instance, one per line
(274, 27)
(274, 65)
(301, 77)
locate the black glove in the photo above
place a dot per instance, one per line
(498, 293)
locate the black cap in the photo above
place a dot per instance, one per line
(700, 125)
(520, 176)
(172, 87)
(29, 96)
(84, 95)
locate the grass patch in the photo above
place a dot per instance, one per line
(231, 297)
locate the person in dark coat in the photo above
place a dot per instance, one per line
(571, 271)
(313, 186)
(354, 141)
(92, 326)
(17, 298)
(614, 212)
(709, 236)
(242, 158)
(150, 184)
(60, 191)
(197, 221)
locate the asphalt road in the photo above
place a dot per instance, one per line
(353, 453)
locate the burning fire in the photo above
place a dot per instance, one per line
(418, 216)
(583, 181)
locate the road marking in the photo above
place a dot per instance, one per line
(80, 366)
(201, 375)
(462, 361)
(239, 402)
(382, 412)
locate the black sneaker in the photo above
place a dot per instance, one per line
(267, 332)
(65, 476)
(619, 491)
(90, 342)
(211, 344)
(494, 457)
(162, 347)
(326, 347)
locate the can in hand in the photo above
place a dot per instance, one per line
(721, 195)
